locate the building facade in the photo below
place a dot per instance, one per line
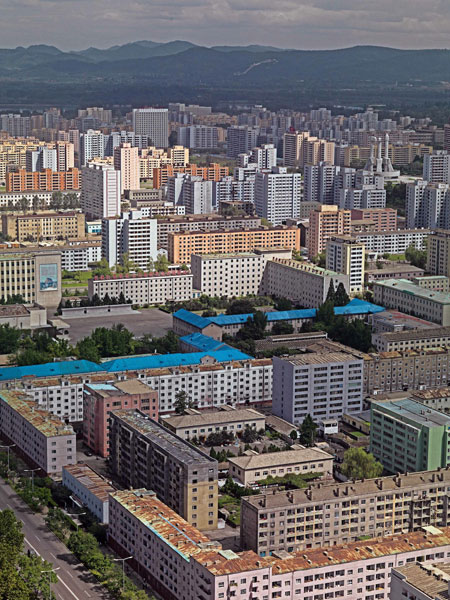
(44, 226)
(101, 191)
(153, 123)
(143, 453)
(326, 222)
(347, 256)
(89, 488)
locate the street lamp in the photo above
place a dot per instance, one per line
(123, 568)
(8, 448)
(75, 515)
(32, 471)
(50, 580)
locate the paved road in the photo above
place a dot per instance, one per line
(74, 582)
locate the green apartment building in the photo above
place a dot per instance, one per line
(407, 436)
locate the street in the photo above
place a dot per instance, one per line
(74, 581)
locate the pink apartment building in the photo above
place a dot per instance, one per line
(100, 399)
(180, 563)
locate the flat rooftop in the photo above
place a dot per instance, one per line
(402, 268)
(424, 333)
(327, 490)
(430, 580)
(216, 417)
(120, 388)
(91, 480)
(407, 409)
(306, 267)
(313, 358)
(407, 287)
(160, 435)
(287, 457)
(45, 422)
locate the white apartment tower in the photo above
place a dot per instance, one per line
(346, 255)
(265, 156)
(100, 191)
(278, 195)
(132, 234)
(436, 167)
(92, 145)
(154, 123)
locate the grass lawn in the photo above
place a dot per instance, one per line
(77, 279)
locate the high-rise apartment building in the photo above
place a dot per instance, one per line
(278, 195)
(427, 205)
(300, 149)
(264, 156)
(383, 219)
(126, 160)
(92, 145)
(241, 140)
(323, 181)
(201, 137)
(192, 192)
(131, 234)
(65, 155)
(325, 385)
(15, 125)
(346, 255)
(325, 222)
(367, 192)
(42, 158)
(145, 454)
(438, 252)
(47, 180)
(436, 167)
(100, 191)
(154, 123)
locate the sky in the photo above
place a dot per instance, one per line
(303, 24)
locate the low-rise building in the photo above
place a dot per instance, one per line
(254, 467)
(383, 219)
(23, 316)
(438, 283)
(200, 425)
(144, 453)
(80, 255)
(144, 288)
(393, 271)
(321, 384)
(43, 226)
(438, 252)
(43, 439)
(392, 321)
(393, 242)
(89, 488)
(407, 436)
(413, 299)
(25, 181)
(100, 399)
(178, 561)
(329, 513)
(301, 282)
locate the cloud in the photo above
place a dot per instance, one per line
(75, 24)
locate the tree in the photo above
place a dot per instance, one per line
(308, 431)
(359, 464)
(320, 260)
(121, 299)
(293, 435)
(239, 307)
(249, 435)
(184, 267)
(56, 203)
(341, 297)
(35, 203)
(9, 339)
(182, 401)
(150, 264)
(283, 304)
(418, 258)
(86, 349)
(282, 328)
(162, 263)
(102, 268)
(325, 313)
(23, 204)
(331, 296)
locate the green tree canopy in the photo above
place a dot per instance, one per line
(341, 297)
(359, 464)
(308, 431)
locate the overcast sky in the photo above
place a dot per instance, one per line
(305, 24)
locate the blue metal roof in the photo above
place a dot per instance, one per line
(192, 318)
(230, 319)
(204, 343)
(155, 361)
(66, 367)
(283, 315)
(358, 307)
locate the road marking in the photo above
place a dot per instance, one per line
(53, 556)
(87, 593)
(32, 547)
(38, 539)
(66, 586)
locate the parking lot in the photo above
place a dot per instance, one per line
(152, 321)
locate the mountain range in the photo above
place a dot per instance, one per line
(220, 72)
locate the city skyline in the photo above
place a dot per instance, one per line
(308, 24)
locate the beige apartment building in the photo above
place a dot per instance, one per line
(438, 252)
(300, 149)
(328, 514)
(413, 299)
(201, 424)
(406, 370)
(324, 223)
(45, 226)
(254, 467)
(34, 274)
(301, 282)
(412, 339)
(173, 224)
(126, 160)
(182, 245)
(144, 454)
(43, 439)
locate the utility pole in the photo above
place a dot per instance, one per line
(8, 449)
(75, 515)
(32, 471)
(50, 580)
